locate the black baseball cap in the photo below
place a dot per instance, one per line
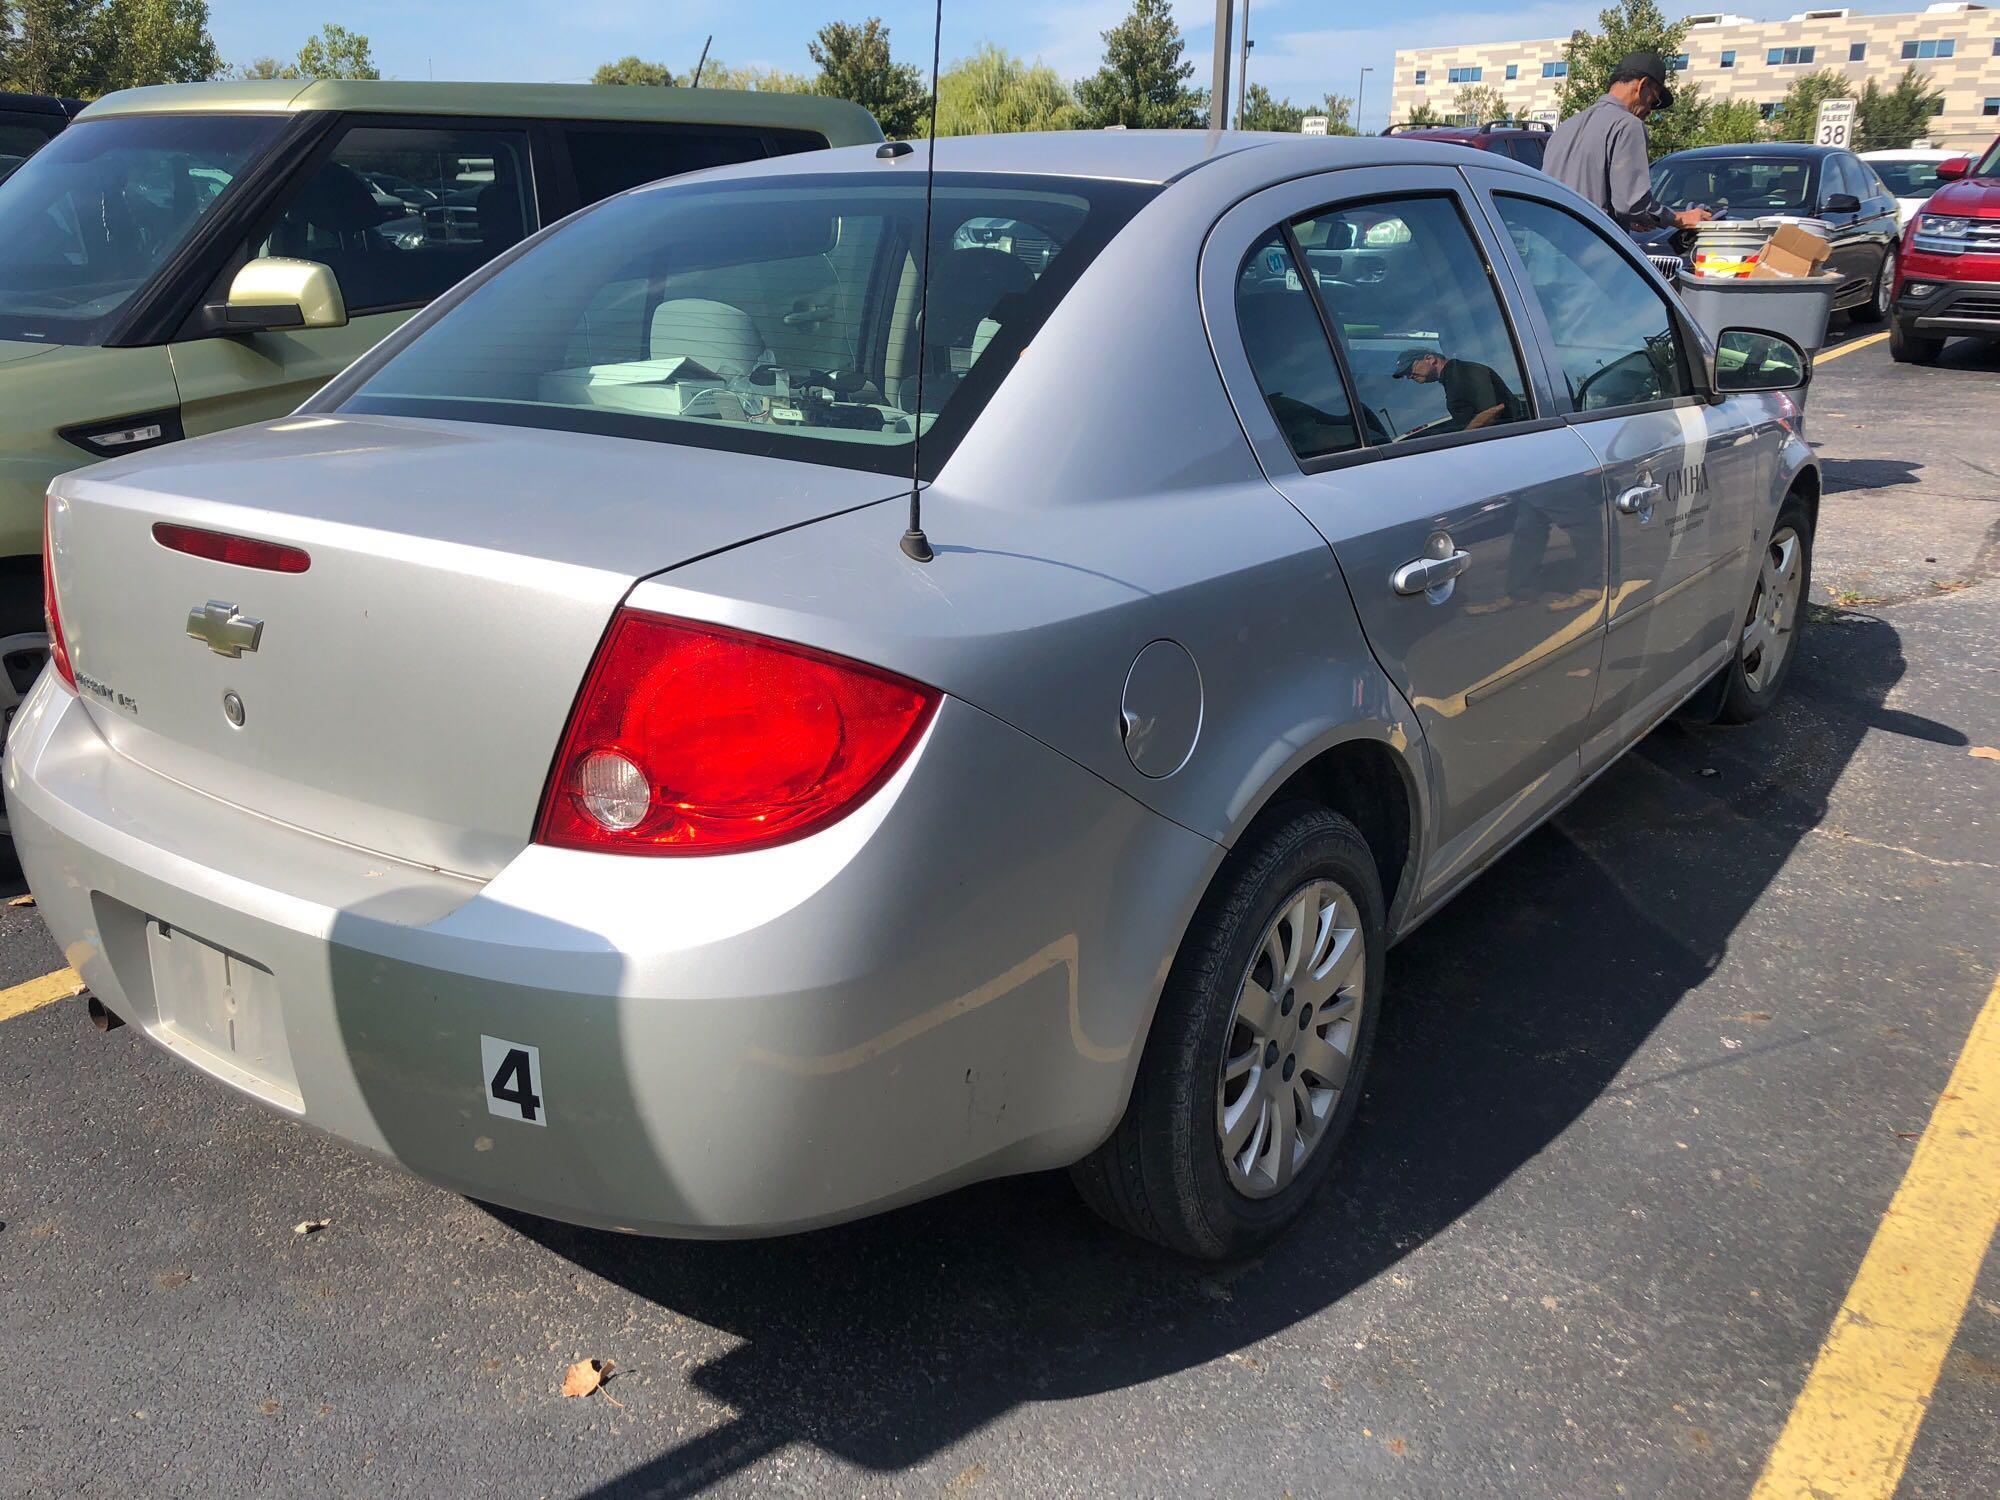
(1647, 65)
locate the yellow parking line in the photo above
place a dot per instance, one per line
(1851, 1430)
(36, 993)
(1826, 354)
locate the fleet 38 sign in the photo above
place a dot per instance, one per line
(1835, 125)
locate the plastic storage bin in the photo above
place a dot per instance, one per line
(1797, 309)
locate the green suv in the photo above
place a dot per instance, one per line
(192, 257)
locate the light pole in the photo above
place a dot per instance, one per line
(1218, 92)
(1243, 71)
(1360, 84)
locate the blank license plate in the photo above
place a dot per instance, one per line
(222, 1010)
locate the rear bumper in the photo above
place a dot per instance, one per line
(1946, 306)
(952, 983)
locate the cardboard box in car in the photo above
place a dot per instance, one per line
(1791, 251)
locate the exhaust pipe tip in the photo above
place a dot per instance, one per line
(103, 1018)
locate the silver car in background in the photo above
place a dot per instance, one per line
(536, 761)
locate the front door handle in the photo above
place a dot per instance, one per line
(1639, 500)
(1425, 573)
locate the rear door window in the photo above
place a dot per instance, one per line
(401, 213)
(607, 159)
(1409, 294)
(1289, 352)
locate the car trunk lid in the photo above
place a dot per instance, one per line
(406, 692)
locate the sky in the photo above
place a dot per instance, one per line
(1304, 48)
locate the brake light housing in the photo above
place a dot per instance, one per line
(689, 738)
(227, 547)
(51, 612)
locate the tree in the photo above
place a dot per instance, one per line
(1424, 116)
(156, 41)
(1143, 83)
(1890, 119)
(1339, 112)
(1731, 122)
(854, 64)
(632, 69)
(1632, 26)
(1798, 111)
(335, 53)
(57, 48)
(260, 68)
(720, 75)
(1477, 103)
(993, 92)
(1262, 112)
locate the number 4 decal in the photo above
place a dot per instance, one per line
(513, 1073)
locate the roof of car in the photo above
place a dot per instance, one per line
(36, 104)
(1148, 156)
(840, 122)
(1761, 150)
(1911, 153)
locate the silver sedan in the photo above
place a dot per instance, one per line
(555, 759)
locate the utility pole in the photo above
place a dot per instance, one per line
(1243, 71)
(1360, 85)
(1218, 88)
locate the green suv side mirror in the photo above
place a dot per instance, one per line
(1747, 359)
(275, 292)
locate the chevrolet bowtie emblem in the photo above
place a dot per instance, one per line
(223, 630)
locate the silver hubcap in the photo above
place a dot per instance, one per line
(1885, 289)
(21, 659)
(1774, 610)
(1291, 1038)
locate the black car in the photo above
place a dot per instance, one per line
(1760, 179)
(29, 122)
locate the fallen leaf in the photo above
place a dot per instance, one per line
(1983, 752)
(585, 1376)
(310, 1226)
(1754, 1017)
(1908, 1135)
(27, 900)
(1710, 771)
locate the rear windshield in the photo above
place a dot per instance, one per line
(1738, 187)
(765, 315)
(1908, 179)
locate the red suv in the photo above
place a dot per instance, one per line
(1524, 140)
(1949, 279)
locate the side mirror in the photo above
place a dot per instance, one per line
(1953, 168)
(1747, 359)
(1841, 203)
(274, 292)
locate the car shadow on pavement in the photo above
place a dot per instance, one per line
(883, 1341)
(1838, 475)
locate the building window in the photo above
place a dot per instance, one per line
(1514, 69)
(1937, 107)
(1679, 64)
(1464, 75)
(1785, 57)
(1990, 107)
(1930, 49)
(1729, 59)
(1857, 51)
(1555, 70)
(1767, 111)
(1422, 76)
(1996, 46)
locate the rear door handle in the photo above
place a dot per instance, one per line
(1639, 500)
(1425, 573)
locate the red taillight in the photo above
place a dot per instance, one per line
(696, 739)
(223, 546)
(58, 647)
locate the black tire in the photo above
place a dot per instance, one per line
(1880, 290)
(1161, 1175)
(1746, 696)
(1908, 347)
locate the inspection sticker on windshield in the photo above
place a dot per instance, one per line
(513, 1073)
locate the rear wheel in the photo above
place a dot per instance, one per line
(1908, 347)
(1876, 308)
(1253, 1069)
(24, 648)
(1769, 640)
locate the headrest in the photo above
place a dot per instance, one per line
(337, 200)
(966, 286)
(719, 335)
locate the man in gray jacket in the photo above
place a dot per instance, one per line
(1600, 152)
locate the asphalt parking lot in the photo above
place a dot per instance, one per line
(1642, 1099)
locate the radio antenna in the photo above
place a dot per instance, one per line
(917, 546)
